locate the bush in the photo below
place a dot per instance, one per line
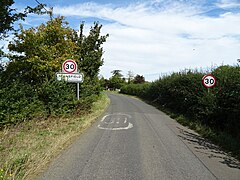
(28, 87)
(179, 92)
(183, 93)
(135, 89)
(19, 102)
(58, 97)
(227, 94)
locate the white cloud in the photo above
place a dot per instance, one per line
(226, 4)
(151, 38)
(4, 43)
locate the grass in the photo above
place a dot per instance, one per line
(112, 92)
(223, 139)
(26, 149)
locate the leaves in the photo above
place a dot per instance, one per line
(44, 48)
(8, 15)
(36, 54)
(138, 79)
(90, 50)
(183, 93)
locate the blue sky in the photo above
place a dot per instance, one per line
(154, 37)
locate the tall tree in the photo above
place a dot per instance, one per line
(130, 77)
(117, 73)
(90, 58)
(91, 51)
(116, 81)
(138, 79)
(37, 53)
(8, 15)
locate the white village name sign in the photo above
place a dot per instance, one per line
(74, 77)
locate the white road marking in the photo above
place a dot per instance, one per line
(104, 117)
(130, 125)
(111, 122)
(118, 119)
(126, 117)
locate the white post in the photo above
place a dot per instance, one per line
(77, 91)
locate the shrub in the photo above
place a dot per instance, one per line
(58, 97)
(19, 102)
(184, 94)
(228, 99)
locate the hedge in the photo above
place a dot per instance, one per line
(183, 93)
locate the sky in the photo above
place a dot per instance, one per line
(155, 37)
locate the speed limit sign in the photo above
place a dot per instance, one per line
(209, 81)
(69, 66)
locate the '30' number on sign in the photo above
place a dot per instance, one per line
(209, 81)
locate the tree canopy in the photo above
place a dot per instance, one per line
(117, 72)
(138, 79)
(36, 54)
(8, 15)
(90, 52)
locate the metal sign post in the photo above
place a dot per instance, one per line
(77, 91)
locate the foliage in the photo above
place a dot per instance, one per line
(90, 51)
(138, 79)
(28, 85)
(89, 91)
(104, 83)
(41, 51)
(135, 89)
(227, 93)
(130, 77)
(24, 146)
(19, 102)
(58, 97)
(183, 93)
(90, 60)
(115, 82)
(117, 73)
(8, 15)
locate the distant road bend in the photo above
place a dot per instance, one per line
(135, 141)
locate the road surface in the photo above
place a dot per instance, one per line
(134, 140)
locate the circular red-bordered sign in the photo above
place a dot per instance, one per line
(209, 81)
(69, 66)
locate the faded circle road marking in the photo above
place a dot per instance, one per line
(130, 125)
(116, 121)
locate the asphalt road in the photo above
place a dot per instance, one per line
(133, 140)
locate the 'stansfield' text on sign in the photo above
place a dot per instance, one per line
(73, 77)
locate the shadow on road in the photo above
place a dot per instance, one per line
(204, 146)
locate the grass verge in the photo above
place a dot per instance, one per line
(26, 149)
(222, 139)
